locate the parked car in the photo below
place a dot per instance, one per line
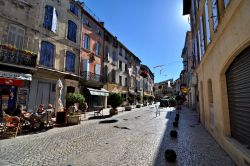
(164, 102)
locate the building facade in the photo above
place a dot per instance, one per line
(221, 43)
(91, 61)
(19, 47)
(57, 23)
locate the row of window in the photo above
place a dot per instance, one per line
(50, 22)
(208, 22)
(47, 59)
(86, 45)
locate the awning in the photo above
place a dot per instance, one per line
(98, 92)
(17, 76)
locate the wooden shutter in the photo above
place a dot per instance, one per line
(238, 89)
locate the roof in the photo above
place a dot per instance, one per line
(186, 7)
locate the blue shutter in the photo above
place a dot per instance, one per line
(72, 29)
(85, 65)
(215, 14)
(70, 61)
(42, 54)
(74, 9)
(50, 55)
(47, 54)
(48, 16)
(86, 41)
(97, 72)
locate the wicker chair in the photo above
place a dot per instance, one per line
(10, 126)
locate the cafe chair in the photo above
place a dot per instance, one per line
(11, 126)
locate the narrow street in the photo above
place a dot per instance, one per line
(134, 138)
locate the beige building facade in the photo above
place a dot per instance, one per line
(221, 43)
(58, 24)
(18, 52)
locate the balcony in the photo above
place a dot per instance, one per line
(15, 57)
(88, 76)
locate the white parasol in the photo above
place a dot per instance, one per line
(58, 102)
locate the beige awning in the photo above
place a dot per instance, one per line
(98, 92)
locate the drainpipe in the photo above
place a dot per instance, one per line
(79, 64)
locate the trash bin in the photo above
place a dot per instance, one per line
(61, 117)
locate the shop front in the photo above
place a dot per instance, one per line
(96, 97)
(14, 90)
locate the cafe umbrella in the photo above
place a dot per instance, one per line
(58, 101)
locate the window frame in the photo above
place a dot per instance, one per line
(52, 60)
(70, 54)
(13, 35)
(73, 8)
(72, 24)
(86, 44)
(50, 18)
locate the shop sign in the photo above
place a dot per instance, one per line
(18, 76)
(6, 81)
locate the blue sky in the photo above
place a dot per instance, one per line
(154, 30)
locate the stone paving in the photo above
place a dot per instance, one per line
(138, 138)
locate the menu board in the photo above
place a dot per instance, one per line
(22, 96)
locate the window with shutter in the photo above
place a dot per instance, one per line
(97, 72)
(50, 18)
(85, 68)
(73, 8)
(86, 41)
(226, 2)
(202, 42)
(16, 36)
(47, 54)
(98, 48)
(215, 14)
(72, 29)
(106, 53)
(70, 61)
(207, 21)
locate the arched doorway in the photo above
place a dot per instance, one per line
(238, 90)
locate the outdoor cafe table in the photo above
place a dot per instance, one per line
(98, 110)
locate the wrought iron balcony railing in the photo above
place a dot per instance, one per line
(13, 56)
(88, 76)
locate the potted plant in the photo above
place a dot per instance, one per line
(145, 99)
(74, 100)
(138, 99)
(151, 99)
(115, 100)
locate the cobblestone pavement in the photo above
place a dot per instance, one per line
(138, 138)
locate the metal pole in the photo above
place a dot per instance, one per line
(142, 90)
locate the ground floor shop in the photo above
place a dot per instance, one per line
(95, 97)
(14, 90)
(43, 88)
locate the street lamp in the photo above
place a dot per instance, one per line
(144, 74)
(129, 80)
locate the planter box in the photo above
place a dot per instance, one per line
(73, 119)
(128, 108)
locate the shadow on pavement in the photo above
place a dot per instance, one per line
(99, 117)
(108, 121)
(166, 140)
